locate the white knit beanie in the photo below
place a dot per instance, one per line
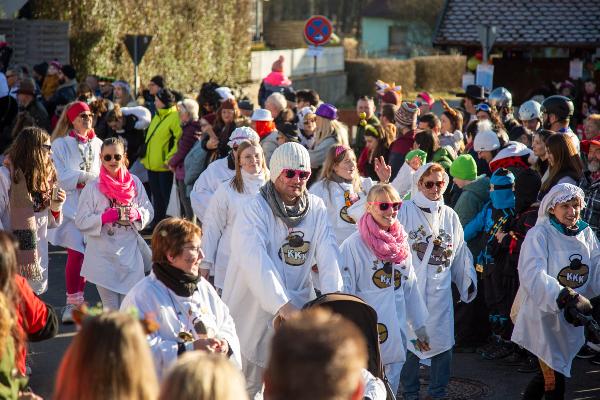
(486, 139)
(289, 155)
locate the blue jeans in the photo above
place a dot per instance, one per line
(160, 187)
(439, 376)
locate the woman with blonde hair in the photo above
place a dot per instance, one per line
(108, 359)
(27, 204)
(250, 174)
(329, 132)
(341, 186)
(76, 156)
(377, 266)
(202, 376)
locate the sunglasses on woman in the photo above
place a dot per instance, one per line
(85, 116)
(292, 173)
(431, 184)
(109, 157)
(483, 107)
(384, 206)
(47, 147)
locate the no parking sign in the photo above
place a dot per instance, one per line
(318, 30)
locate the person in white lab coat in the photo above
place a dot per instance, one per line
(278, 235)
(27, 206)
(251, 174)
(111, 210)
(218, 172)
(190, 314)
(341, 186)
(558, 266)
(377, 266)
(76, 156)
(440, 257)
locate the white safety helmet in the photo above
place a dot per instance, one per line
(529, 110)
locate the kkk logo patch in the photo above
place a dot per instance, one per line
(294, 251)
(382, 330)
(576, 274)
(382, 278)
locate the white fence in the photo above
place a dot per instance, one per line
(297, 62)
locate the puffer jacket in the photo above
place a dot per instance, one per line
(161, 139)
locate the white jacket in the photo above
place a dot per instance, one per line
(112, 261)
(207, 183)
(266, 271)
(397, 302)
(334, 197)
(151, 297)
(403, 182)
(437, 265)
(218, 223)
(67, 159)
(44, 220)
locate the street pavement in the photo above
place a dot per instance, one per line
(472, 377)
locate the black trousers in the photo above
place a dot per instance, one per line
(546, 384)
(160, 186)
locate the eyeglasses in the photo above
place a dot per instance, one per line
(197, 249)
(310, 121)
(292, 173)
(483, 107)
(431, 184)
(86, 116)
(47, 147)
(109, 157)
(384, 206)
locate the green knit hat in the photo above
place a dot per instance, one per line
(417, 153)
(464, 167)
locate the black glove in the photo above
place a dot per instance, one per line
(573, 303)
(596, 308)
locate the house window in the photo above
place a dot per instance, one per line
(398, 38)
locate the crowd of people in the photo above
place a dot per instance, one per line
(466, 228)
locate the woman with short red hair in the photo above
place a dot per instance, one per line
(76, 156)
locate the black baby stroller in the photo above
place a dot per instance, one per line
(364, 317)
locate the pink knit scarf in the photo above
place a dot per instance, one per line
(390, 245)
(121, 188)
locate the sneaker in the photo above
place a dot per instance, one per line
(595, 360)
(67, 314)
(586, 353)
(501, 351)
(512, 360)
(529, 366)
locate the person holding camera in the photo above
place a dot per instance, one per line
(557, 269)
(111, 210)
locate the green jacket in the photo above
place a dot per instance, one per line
(443, 157)
(11, 381)
(472, 199)
(161, 139)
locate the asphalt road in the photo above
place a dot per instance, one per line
(473, 377)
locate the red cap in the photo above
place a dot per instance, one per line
(76, 108)
(586, 144)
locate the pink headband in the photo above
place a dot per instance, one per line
(340, 149)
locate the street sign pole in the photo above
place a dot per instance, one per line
(487, 37)
(135, 68)
(136, 47)
(317, 32)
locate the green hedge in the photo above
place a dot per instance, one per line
(431, 73)
(193, 41)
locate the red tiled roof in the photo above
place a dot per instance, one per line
(521, 23)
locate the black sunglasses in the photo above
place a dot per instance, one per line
(109, 157)
(291, 173)
(47, 147)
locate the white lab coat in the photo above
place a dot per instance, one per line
(66, 157)
(446, 262)
(333, 195)
(403, 182)
(207, 183)
(218, 223)
(112, 261)
(44, 221)
(259, 282)
(397, 304)
(152, 298)
(540, 326)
